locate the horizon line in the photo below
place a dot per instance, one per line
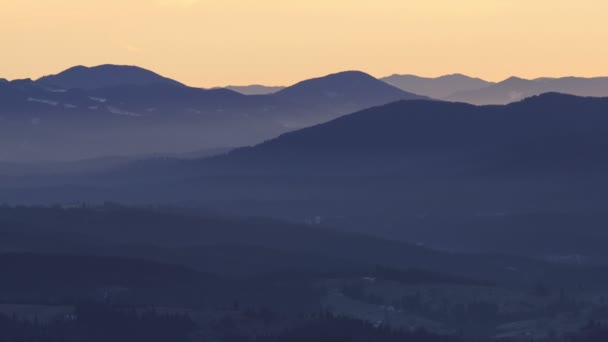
(227, 85)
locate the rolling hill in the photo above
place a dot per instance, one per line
(350, 89)
(515, 89)
(119, 110)
(227, 246)
(437, 88)
(417, 170)
(102, 76)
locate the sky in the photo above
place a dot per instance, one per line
(279, 42)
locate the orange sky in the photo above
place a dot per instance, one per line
(276, 42)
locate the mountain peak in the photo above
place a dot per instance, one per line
(423, 126)
(351, 73)
(439, 88)
(345, 81)
(462, 77)
(514, 80)
(343, 76)
(106, 75)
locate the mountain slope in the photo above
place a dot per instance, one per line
(438, 88)
(409, 153)
(552, 135)
(413, 170)
(515, 89)
(130, 111)
(350, 89)
(221, 244)
(102, 76)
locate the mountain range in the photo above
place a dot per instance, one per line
(409, 170)
(414, 169)
(102, 76)
(515, 89)
(461, 88)
(437, 88)
(255, 89)
(90, 112)
(113, 110)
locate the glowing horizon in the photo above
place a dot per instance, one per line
(275, 42)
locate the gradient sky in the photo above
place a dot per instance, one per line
(277, 42)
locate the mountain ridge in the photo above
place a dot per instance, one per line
(515, 88)
(438, 87)
(105, 75)
(120, 116)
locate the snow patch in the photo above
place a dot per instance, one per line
(119, 111)
(56, 90)
(98, 99)
(44, 101)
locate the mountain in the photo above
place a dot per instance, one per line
(420, 171)
(255, 89)
(515, 89)
(438, 88)
(130, 111)
(551, 135)
(349, 89)
(44, 123)
(232, 246)
(553, 126)
(390, 170)
(394, 169)
(8, 169)
(64, 276)
(102, 76)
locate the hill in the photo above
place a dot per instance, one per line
(130, 111)
(420, 171)
(515, 89)
(437, 88)
(350, 89)
(396, 169)
(232, 246)
(102, 76)
(74, 278)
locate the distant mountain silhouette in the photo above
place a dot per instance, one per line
(255, 89)
(351, 88)
(227, 246)
(438, 88)
(515, 89)
(393, 170)
(130, 111)
(417, 152)
(102, 76)
(551, 124)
